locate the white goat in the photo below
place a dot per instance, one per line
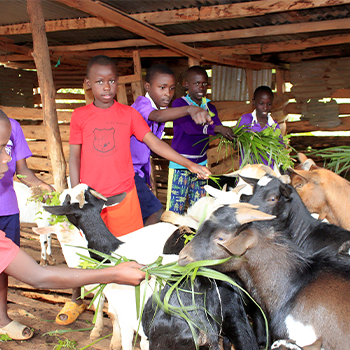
(205, 206)
(121, 298)
(33, 212)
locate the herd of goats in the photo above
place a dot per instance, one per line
(295, 266)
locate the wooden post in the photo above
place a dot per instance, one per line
(47, 90)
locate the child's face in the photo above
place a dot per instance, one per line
(161, 89)
(197, 86)
(5, 133)
(263, 104)
(103, 82)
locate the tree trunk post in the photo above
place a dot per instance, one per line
(47, 90)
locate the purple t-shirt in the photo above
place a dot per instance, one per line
(191, 139)
(17, 148)
(140, 152)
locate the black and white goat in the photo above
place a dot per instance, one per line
(306, 296)
(278, 198)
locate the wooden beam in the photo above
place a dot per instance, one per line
(150, 34)
(289, 29)
(158, 18)
(48, 92)
(262, 7)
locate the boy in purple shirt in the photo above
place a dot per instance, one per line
(160, 88)
(191, 141)
(260, 118)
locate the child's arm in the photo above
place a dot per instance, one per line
(198, 115)
(24, 268)
(225, 131)
(29, 177)
(164, 150)
(74, 164)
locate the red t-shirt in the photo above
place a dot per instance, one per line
(8, 251)
(104, 136)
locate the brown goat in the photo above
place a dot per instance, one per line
(305, 296)
(322, 191)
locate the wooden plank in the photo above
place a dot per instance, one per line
(121, 94)
(40, 148)
(39, 132)
(20, 113)
(305, 126)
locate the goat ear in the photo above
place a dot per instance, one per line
(286, 190)
(43, 230)
(249, 180)
(238, 245)
(245, 215)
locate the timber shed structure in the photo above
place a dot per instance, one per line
(299, 48)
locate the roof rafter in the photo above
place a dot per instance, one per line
(136, 27)
(222, 35)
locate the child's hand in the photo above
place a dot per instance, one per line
(199, 115)
(201, 171)
(129, 273)
(225, 131)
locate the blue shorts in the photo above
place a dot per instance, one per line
(10, 225)
(149, 203)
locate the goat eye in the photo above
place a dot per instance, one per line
(298, 185)
(273, 199)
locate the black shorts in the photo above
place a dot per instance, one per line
(149, 203)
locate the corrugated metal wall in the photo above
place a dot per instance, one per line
(230, 84)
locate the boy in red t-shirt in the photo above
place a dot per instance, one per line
(100, 155)
(15, 262)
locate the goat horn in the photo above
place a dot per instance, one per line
(98, 195)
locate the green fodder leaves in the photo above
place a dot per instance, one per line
(173, 275)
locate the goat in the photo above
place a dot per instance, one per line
(205, 206)
(215, 307)
(72, 242)
(32, 212)
(278, 198)
(306, 295)
(322, 191)
(144, 245)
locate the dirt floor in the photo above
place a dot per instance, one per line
(38, 309)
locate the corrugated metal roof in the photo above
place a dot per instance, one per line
(15, 12)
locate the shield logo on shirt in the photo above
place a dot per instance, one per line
(104, 140)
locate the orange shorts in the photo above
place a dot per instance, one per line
(124, 217)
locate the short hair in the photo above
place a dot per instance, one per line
(263, 88)
(4, 117)
(101, 60)
(195, 70)
(157, 69)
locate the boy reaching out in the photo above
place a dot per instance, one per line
(190, 140)
(100, 155)
(160, 88)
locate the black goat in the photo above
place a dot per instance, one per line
(88, 219)
(275, 197)
(306, 295)
(219, 312)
